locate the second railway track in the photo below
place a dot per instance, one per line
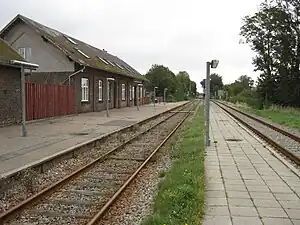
(83, 196)
(285, 142)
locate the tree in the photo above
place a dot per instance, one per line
(179, 87)
(161, 77)
(274, 34)
(246, 81)
(216, 83)
(203, 83)
(183, 78)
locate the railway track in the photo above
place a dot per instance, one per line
(84, 196)
(286, 143)
(27, 182)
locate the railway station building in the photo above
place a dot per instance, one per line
(73, 76)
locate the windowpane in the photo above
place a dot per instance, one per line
(141, 92)
(22, 52)
(100, 90)
(130, 93)
(84, 89)
(123, 92)
(133, 94)
(108, 91)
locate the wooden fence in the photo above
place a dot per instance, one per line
(47, 100)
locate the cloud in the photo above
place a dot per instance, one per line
(182, 35)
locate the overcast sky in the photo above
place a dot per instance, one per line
(182, 35)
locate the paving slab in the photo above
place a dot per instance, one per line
(51, 136)
(249, 185)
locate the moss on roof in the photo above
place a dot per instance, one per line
(69, 44)
(8, 53)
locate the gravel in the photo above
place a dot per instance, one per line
(280, 126)
(136, 202)
(29, 181)
(104, 187)
(279, 138)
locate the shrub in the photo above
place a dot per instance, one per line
(249, 97)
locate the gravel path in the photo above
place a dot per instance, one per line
(96, 182)
(279, 138)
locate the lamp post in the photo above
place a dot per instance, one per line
(154, 95)
(24, 65)
(138, 95)
(107, 94)
(165, 91)
(213, 64)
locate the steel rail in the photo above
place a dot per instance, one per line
(8, 214)
(278, 147)
(109, 203)
(292, 136)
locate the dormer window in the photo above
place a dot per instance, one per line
(110, 63)
(103, 60)
(70, 40)
(82, 53)
(119, 66)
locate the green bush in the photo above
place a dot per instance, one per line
(249, 97)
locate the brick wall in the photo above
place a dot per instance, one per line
(49, 77)
(10, 95)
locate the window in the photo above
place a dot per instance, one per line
(130, 93)
(123, 92)
(25, 53)
(119, 66)
(141, 92)
(133, 96)
(84, 89)
(82, 53)
(111, 63)
(100, 91)
(103, 60)
(108, 91)
(70, 40)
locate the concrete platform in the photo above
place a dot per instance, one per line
(245, 182)
(51, 136)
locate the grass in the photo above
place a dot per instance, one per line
(180, 198)
(287, 116)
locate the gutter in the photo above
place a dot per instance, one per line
(73, 74)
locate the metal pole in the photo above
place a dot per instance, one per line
(24, 131)
(107, 95)
(154, 98)
(207, 97)
(165, 95)
(137, 98)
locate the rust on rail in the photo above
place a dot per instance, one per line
(284, 151)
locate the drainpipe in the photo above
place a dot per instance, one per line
(73, 74)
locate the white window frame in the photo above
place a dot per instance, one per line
(82, 53)
(142, 91)
(110, 62)
(22, 52)
(100, 88)
(133, 94)
(118, 65)
(84, 89)
(108, 90)
(25, 52)
(70, 40)
(103, 60)
(123, 92)
(130, 93)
